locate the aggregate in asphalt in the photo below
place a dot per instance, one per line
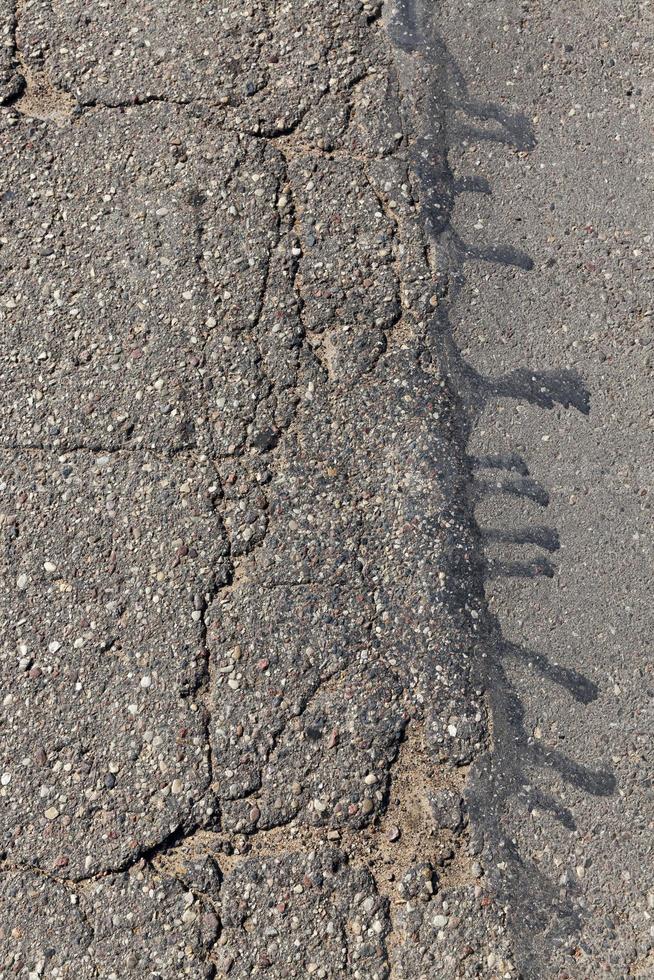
(295, 680)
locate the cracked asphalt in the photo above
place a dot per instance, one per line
(325, 499)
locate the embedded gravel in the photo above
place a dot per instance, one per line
(259, 716)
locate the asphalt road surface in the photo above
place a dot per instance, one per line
(326, 432)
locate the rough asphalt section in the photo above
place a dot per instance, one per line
(307, 311)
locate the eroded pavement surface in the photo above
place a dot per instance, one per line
(256, 719)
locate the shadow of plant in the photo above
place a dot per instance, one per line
(439, 113)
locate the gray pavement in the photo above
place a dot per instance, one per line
(325, 421)
(580, 204)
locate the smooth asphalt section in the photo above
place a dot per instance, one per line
(539, 195)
